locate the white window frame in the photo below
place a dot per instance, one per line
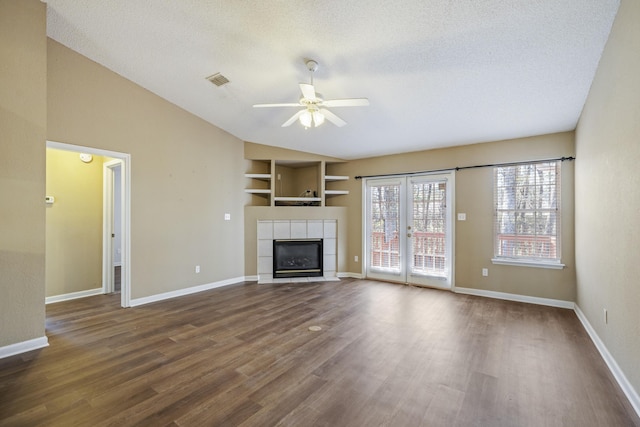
(553, 263)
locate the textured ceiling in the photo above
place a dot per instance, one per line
(437, 73)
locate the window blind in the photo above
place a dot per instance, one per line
(527, 211)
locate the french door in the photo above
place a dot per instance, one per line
(409, 229)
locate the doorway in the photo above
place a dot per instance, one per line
(112, 226)
(116, 217)
(409, 229)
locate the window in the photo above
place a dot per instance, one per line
(527, 214)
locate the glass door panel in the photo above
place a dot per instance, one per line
(384, 225)
(428, 231)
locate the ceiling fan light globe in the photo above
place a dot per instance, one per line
(318, 118)
(305, 119)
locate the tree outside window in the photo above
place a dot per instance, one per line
(527, 211)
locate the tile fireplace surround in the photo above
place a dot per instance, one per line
(268, 230)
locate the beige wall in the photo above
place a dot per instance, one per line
(264, 152)
(284, 186)
(74, 223)
(608, 195)
(474, 196)
(23, 121)
(186, 173)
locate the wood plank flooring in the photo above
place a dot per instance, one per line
(243, 355)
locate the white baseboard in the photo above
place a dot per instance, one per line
(187, 291)
(73, 295)
(251, 278)
(23, 347)
(620, 377)
(515, 297)
(351, 275)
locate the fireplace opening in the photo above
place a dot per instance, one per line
(297, 258)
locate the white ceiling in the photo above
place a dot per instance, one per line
(437, 72)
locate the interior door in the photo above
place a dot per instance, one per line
(409, 229)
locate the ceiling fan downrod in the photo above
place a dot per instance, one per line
(312, 66)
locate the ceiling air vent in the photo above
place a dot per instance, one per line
(218, 79)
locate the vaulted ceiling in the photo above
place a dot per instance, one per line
(437, 73)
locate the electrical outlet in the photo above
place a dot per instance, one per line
(462, 217)
(197, 269)
(227, 217)
(485, 272)
(355, 258)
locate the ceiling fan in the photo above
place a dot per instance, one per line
(313, 105)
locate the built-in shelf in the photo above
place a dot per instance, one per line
(336, 178)
(288, 178)
(297, 199)
(260, 182)
(265, 176)
(258, 190)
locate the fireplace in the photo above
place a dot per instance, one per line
(297, 258)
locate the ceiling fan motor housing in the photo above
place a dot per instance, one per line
(311, 65)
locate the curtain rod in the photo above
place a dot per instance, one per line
(458, 168)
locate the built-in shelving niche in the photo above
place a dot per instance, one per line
(291, 183)
(258, 185)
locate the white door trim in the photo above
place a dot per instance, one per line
(108, 215)
(125, 159)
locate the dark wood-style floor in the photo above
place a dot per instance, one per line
(387, 355)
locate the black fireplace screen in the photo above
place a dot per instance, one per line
(297, 258)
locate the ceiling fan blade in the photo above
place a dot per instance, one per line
(288, 104)
(293, 118)
(350, 102)
(308, 91)
(333, 118)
